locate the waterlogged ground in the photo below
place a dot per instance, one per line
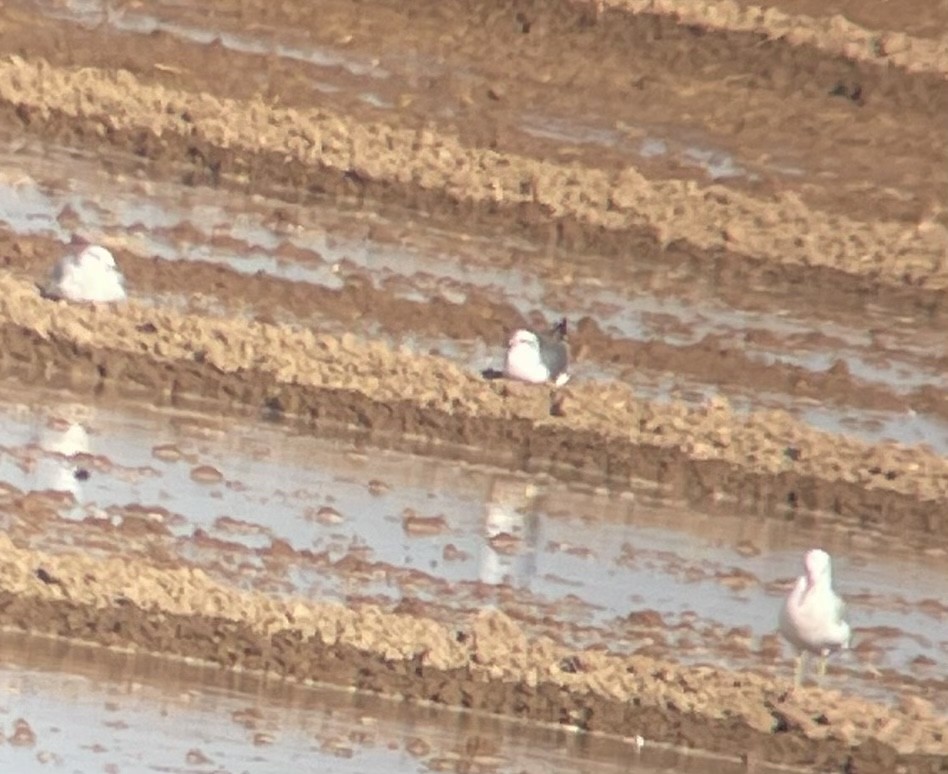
(579, 564)
(280, 462)
(69, 707)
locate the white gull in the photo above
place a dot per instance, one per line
(91, 275)
(812, 617)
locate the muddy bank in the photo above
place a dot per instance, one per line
(782, 160)
(674, 101)
(837, 34)
(486, 664)
(137, 705)
(318, 151)
(487, 316)
(766, 462)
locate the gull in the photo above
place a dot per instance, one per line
(812, 616)
(91, 275)
(538, 357)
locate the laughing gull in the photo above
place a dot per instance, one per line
(90, 275)
(812, 616)
(538, 357)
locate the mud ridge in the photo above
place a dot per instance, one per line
(784, 231)
(773, 107)
(482, 316)
(766, 460)
(486, 664)
(836, 35)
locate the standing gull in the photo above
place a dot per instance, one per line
(812, 616)
(90, 275)
(538, 357)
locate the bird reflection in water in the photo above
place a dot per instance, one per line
(60, 443)
(508, 554)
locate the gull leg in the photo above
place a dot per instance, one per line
(822, 670)
(800, 664)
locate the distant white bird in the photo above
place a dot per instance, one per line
(538, 357)
(812, 617)
(90, 275)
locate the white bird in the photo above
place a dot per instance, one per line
(89, 276)
(812, 617)
(538, 357)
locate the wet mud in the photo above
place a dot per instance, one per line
(330, 220)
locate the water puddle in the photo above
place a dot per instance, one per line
(79, 708)
(179, 223)
(53, 192)
(909, 428)
(694, 152)
(691, 152)
(94, 13)
(387, 527)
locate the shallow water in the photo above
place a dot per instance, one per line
(97, 12)
(717, 164)
(176, 222)
(574, 563)
(583, 558)
(89, 709)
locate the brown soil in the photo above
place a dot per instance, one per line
(486, 663)
(856, 235)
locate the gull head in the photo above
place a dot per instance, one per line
(818, 568)
(97, 256)
(524, 338)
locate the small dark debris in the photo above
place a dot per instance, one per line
(273, 410)
(524, 23)
(461, 637)
(792, 500)
(781, 724)
(147, 327)
(571, 665)
(48, 579)
(492, 373)
(354, 176)
(851, 92)
(82, 474)
(200, 356)
(556, 405)
(793, 453)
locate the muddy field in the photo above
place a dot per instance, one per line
(281, 457)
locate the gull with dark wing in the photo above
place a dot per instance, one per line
(538, 357)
